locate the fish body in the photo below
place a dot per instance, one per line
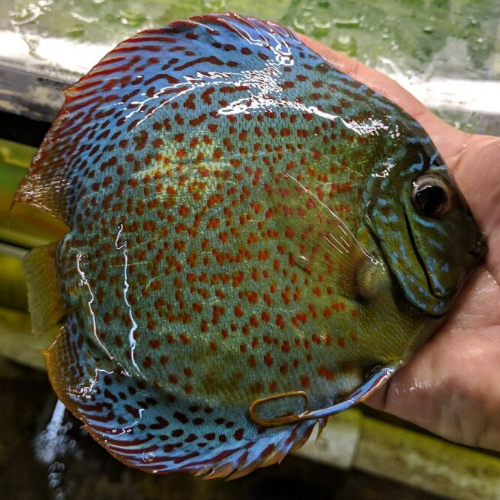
(254, 238)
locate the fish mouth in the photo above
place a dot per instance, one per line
(474, 256)
(436, 292)
(429, 264)
(480, 249)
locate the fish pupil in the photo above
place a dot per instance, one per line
(431, 196)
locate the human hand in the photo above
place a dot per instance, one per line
(452, 385)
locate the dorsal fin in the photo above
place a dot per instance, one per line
(45, 189)
(133, 81)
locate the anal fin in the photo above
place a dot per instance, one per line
(150, 429)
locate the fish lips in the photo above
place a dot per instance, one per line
(445, 283)
(428, 281)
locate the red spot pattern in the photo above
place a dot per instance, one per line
(190, 234)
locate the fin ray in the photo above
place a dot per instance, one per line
(46, 303)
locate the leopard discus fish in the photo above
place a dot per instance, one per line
(256, 241)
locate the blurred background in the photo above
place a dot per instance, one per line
(445, 52)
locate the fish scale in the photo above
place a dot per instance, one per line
(238, 212)
(229, 206)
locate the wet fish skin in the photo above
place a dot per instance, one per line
(242, 225)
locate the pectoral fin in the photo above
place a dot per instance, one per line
(46, 303)
(317, 239)
(260, 407)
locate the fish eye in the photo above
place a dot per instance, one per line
(431, 195)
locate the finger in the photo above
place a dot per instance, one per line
(478, 175)
(450, 387)
(447, 386)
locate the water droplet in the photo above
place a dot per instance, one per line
(214, 6)
(131, 17)
(84, 19)
(23, 14)
(299, 25)
(346, 44)
(76, 31)
(352, 22)
(321, 29)
(148, 457)
(473, 20)
(54, 483)
(307, 13)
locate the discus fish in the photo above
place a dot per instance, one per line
(256, 242)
